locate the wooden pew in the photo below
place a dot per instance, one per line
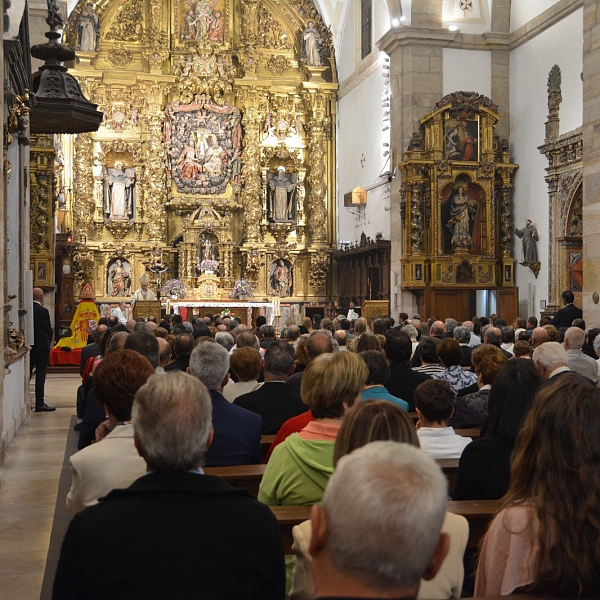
(265, 444)
(250, 476)
(478, 513)
(474, 434)
(245, 476)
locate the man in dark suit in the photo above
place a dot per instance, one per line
(565, 316)
(403, 381)
(237, 430)
(92, 349)
(40, 351)
(318, 343)
(275, 401)
(175, 532)
(184, 343)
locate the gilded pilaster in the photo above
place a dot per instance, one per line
(318, 128)
(253, 107)
(83, 182)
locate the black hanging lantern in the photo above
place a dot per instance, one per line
(60, 104)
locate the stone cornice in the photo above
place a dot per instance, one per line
(409, 36)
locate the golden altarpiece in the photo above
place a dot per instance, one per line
(456, 209)
(217, 148)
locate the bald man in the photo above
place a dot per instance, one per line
(40, 351)
(539, 336)
(164, 356)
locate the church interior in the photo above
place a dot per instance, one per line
(271, 157)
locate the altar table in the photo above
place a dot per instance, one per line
(180, 307)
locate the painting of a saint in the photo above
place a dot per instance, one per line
(282, 191)
(461, 139)
(119, 192)
(281, 278)
(119, 278)
(202, 19)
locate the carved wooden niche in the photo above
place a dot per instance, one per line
(456, 199)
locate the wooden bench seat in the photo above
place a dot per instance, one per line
(478, 513)
(250, 476)
(265, 444)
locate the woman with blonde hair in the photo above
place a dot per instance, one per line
(307, 323)
(546, 537)
(299, 467)
(369, 422)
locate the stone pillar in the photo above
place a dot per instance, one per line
(416, 75)
(591, 161)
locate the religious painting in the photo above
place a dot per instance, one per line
(119, 278)
(282, 191)
(461, 218)
(280, 278)
(204, 145)
(202, 20)
(119, 187)
(461, 139)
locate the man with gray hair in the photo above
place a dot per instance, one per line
(577, 361)
(175, 532)
(551, 360)
(463, 336)
(237, 430)
(378, 529)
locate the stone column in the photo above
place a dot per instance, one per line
(416, 75)
(591, 161)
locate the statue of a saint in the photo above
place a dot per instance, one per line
(120, 279)
(281, 279)
(462, 213)
(529, 235)
(120, 193)
(311, 45)
(88, 29)
(207, 250)
(282, 197)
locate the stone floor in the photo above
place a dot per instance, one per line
(29, 481)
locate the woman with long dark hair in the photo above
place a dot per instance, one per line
(546, 537)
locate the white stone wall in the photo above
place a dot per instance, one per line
(523, 11)
(529, 68)
(467, 71)
(359, 130)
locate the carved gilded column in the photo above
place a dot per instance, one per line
(83, 183)
(416, 217)
(41, 215)
(155, 217)
(318, 128)
(253, 107)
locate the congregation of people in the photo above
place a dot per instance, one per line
(361, 413)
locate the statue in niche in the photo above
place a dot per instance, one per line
(462, 215)
(119, 278)
(282, 195)
(311, 45)
(88, 29)
(281, 278)
(529, 235)
(119, 194)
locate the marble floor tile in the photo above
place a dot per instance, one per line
(29, 480)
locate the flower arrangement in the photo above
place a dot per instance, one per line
(209, 265)
(226, 313)
(174, 287)
(241, 289)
